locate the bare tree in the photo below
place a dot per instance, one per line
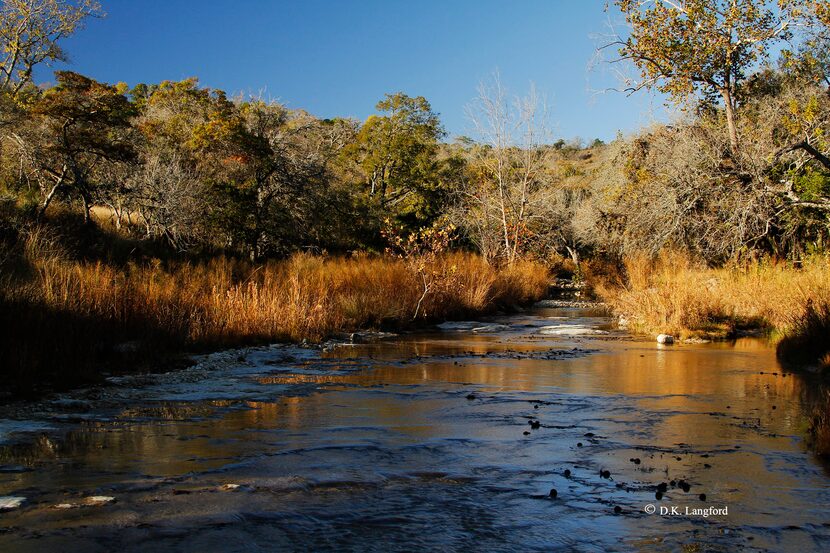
(505, 189)
(168, 198)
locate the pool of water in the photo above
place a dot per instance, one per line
(444, 440)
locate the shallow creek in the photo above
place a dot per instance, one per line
(424, 442)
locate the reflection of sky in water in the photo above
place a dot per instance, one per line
(378, 446)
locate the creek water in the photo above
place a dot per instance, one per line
(428, 441)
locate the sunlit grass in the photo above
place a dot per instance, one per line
(676, 295)
(66, 314)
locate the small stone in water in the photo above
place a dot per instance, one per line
(702, 497)
(636, 460)
(567, 473)
(605, 473)
(707, 466)
(526, 433)
(535, 425)
(658, 495)
(578, 444)
(553, 493)
(684, 486)
(617, 509)
(471, 396)
(662, 487)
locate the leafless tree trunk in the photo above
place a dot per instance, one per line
(510, 152)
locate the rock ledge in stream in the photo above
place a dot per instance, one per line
(576, 304)
(8, 503)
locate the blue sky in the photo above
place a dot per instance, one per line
(338, 58)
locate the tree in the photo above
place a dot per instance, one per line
(77, 125)
(508, 180)
(397, 155)
(29, 34)
(686, 48)
(189, 146)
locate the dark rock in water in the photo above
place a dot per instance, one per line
(774, 407)
(605, 473)
(471, 396)
(636, 460)
(535, 406)
(662, 487)
(567, 473)
(578, 444)
(14, 469)
(702, 497)
(658, 495)
(684, 486)
(617, 509)
(672, 483)
(553, 493)
(707, 466)
(526, 433)
(589, 434)
(705, 455)
(535, 425)
(455, 362)
(678, 458)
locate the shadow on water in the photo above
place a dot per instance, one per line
(448, 440)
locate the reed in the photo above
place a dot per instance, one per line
(66, 318)
(676, 295)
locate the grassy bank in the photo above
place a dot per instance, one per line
(673, 294)
(63, 320)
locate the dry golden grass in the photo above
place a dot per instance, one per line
(676, 295)
(64, 312)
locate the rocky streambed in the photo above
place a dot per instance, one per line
(546, 430)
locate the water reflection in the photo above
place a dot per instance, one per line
(423, 442)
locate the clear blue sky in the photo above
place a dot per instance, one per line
(338, 58)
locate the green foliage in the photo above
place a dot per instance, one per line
(397, 156)
(812, 184)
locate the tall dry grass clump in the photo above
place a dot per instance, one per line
(677, 295)
(806, 340)
(61, 318)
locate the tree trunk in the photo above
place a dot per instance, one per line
(729, 104)
(46, 201)
(821, 158)
(87, 204)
